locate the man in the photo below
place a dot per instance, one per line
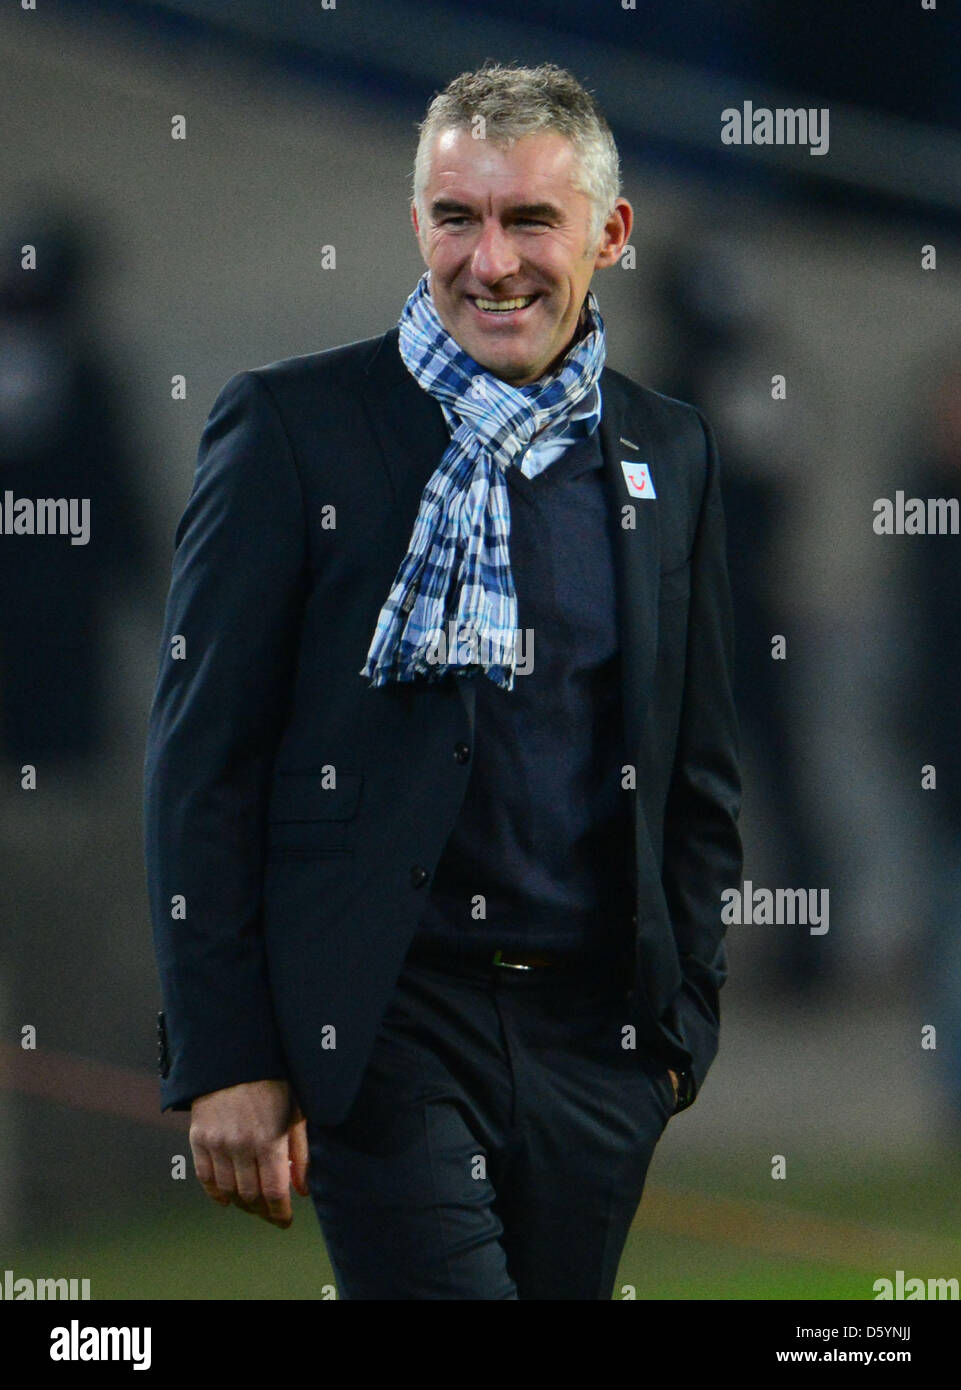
(441, 780)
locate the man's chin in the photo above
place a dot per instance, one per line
(514, 373)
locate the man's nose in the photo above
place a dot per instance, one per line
(494, 257)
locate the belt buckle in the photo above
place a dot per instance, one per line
(508, 964)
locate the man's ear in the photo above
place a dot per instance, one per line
(617, 230)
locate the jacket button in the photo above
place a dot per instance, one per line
(163, 1059)
(418, 876)
(461, 752)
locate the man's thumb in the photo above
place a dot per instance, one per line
(298, 1152)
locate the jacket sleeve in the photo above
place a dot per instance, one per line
(702, 846)
(223, 690)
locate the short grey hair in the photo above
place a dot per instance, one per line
(515, 101)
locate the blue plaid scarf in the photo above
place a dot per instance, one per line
(452, 604)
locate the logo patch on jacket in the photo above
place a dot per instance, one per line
(638, 479)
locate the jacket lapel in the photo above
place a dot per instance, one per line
(409, 425)
(636, 548)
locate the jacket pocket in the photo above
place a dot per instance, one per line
(306, 819)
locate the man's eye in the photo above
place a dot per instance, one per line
(450, 221)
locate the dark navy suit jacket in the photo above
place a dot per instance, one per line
(282, 905)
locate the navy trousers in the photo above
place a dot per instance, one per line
(499, 1142)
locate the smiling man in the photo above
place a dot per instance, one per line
(439, 931)
(511, 241)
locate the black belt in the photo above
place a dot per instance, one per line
(527, 960)
(511, 960)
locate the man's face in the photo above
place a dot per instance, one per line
(506, 224)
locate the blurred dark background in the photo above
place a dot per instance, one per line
(158, 259)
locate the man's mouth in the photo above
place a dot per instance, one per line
(502, 306)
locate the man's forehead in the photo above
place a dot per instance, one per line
(544, 159)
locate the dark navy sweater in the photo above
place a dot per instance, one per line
(544, 838)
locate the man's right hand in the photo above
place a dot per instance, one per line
(249, 1144)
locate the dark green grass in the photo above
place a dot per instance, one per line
(905, 1215)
